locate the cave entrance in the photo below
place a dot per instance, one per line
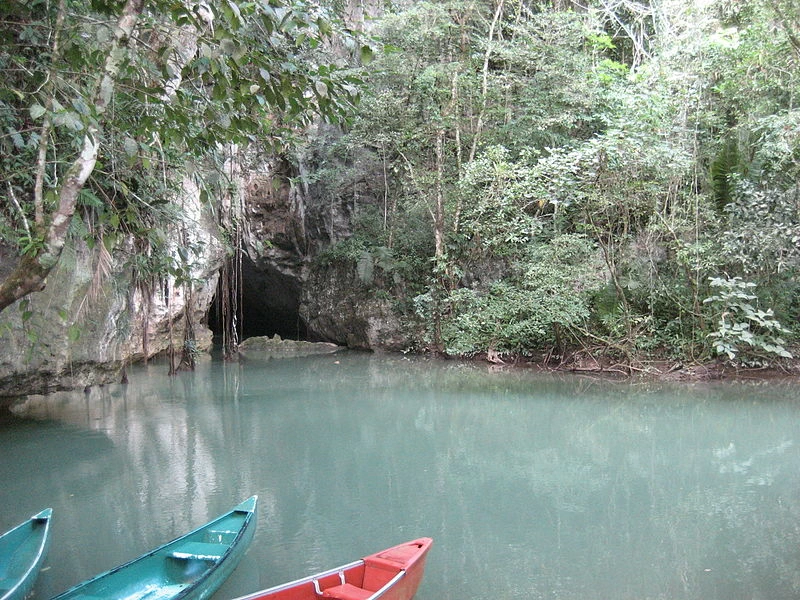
(268, 303)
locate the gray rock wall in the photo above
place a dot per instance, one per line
(338, 308)
(290, 219)
(91, 319)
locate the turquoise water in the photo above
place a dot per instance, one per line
(532, 485)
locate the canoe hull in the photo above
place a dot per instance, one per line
(392, 574)
(23, 551)
(191, 567)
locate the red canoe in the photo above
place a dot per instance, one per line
(392, 574)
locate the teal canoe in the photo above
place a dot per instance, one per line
(192, 566)
(22, 552)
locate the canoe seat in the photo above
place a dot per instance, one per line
(346, 591)
(151, 592)
(221, 536)
(200, 551)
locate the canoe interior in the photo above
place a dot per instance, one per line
(174, 569)
(22, 550)
(392, 574)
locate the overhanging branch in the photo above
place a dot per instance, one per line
(31, 272)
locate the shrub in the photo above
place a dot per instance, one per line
(744, 333)
(545, 298)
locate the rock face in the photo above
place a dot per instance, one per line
(338, 307)
(284, 290)
(94, 317)
(275, 250)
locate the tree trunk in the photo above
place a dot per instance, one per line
(44, 136)
(438, 218)
(498, 13)
(31, 272)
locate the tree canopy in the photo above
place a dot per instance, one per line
(102, 98)
(656, 139)
(611, 176)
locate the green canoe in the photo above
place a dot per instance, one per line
(22, 552)
(192, 566)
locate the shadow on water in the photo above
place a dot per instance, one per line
(32, 447)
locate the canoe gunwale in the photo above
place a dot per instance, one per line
(234, 546)
(42, 522)
(389, 585)
(247, 529)
(303, 580)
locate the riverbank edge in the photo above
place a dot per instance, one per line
(656, 370)
(646, 369)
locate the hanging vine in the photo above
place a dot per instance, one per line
(189, 348)
(229, 289)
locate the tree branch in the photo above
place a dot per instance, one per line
(31, 271)
(41, 160)
(485, 79)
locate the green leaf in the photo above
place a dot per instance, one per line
(227, 46)
(87, 197)
(365, 267)
(131, 146)
(79, 105)
(36, 111)
(231, 11)
(68, 119)
(17, 138)
(220, 90)
(324, 26)
(366, 55)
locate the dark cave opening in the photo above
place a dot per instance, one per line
(269, 305)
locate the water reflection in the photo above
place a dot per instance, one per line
(533, 486)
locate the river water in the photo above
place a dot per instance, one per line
(533, 486)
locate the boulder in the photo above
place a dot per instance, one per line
(263, 347)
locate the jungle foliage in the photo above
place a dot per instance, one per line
(529, 177)
(106, 105)
(617, 178)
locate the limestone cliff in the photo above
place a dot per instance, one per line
(289, 221)
(96, 315)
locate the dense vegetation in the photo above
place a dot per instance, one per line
(106, 104)
(618, 178)
(529, 177)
